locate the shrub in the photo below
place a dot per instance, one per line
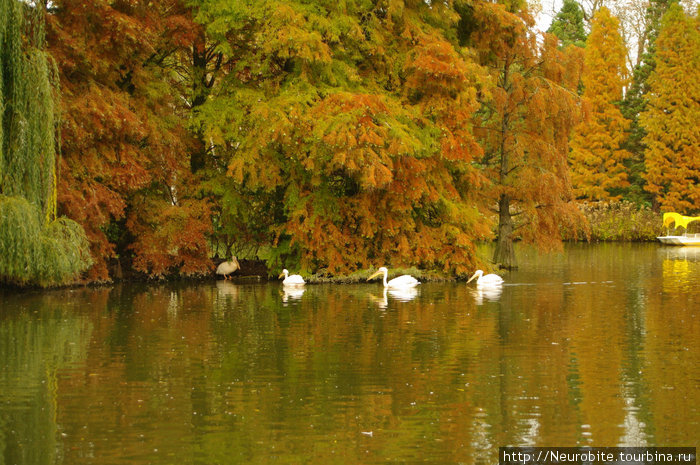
(621, 221)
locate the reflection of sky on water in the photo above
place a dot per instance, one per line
(634, 429)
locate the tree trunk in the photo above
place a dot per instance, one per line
(199, 96)
(199, 152)
(504, 255)
(206, 63)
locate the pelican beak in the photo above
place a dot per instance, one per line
(470, 279)
(280, 276)
(375, 274)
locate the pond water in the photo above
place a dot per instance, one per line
(599, 345)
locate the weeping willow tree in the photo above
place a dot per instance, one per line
(36, 247)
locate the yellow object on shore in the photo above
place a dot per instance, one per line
(680, 220)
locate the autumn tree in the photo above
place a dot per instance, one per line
(636, 98)
(672, 136)
(597, 156)
(523, 127)
(634, 22)
(125, 164)
(36, 245)
(352, 123)
(568, 25)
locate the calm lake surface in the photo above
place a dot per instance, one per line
(597, 346)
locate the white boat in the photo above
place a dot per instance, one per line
(686, 239)
(679, 221)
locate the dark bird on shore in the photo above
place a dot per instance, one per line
(226, 268)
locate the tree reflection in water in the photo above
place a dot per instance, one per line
(231, 373)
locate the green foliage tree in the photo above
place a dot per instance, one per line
(671, 115)
(568, 25)
(36, 247)
(597, 156)
(523, 126)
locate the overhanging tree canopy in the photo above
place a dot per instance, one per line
(354, 121)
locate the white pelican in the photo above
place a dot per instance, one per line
(489, 280)
(402, 282)
(226, 268)
(293, 280)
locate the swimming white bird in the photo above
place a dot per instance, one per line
(486, 280)
(226, 268)
(293, 280)
(401, 282)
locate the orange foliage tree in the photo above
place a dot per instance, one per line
(524, 125)
(672, 114)
(354, 124)
(597, 157)
(125, 147)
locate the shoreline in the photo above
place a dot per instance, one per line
(257, 271)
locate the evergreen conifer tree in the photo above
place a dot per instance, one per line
(568, 25)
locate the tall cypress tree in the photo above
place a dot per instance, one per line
(597, 156)
(670, 119)
(35, 246)
(636, 99)
(523, 128)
